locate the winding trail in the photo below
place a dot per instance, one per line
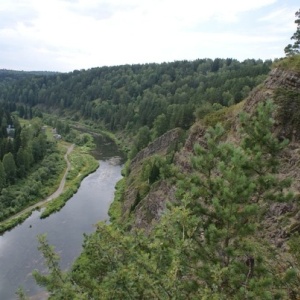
(62, 182)
(55, 194)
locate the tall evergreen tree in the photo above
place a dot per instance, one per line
(2, 176)
(295, 48)
(10, 167)
(206, 247)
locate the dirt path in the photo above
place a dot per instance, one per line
(55, 194)
(62, 182)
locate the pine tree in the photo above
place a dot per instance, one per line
(9, 167)
(207, 246)
(2, 176)
(227, 192)
(295, 48)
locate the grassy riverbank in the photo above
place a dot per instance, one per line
(82, 164)
(40, 183)
(115, 209)
(13, 222)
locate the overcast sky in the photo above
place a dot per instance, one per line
(64, 35)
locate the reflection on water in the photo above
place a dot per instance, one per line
(18, 247)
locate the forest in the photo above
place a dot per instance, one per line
(207, 244)
(210, 242)
(29, 162)
(137, 102)
(228, 227)
(152, 98)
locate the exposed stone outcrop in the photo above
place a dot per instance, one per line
(158, 146)
(150, 208)
(282, 78)
(283, 87)
(277, 78)
(149, 211)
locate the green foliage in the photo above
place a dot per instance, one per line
(228, 187)
(206, 246)
(291, 63)
(37, 185)
(219, 116)
(10, 167)
(206, 109)
(55, 279)
(82, 164)
(288, 115)
(259, 141)
(84, 139)
(293, 274)
(132, 96)
(160, 126)
(12, 222)
(295, 48)
(115, 209)
(2, 176)
(143, 138)
(21, 294)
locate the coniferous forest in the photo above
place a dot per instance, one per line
(226, 225)
(147, 99)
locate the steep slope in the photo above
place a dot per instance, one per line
(283, 87)
(229, 231)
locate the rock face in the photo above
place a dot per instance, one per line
(281, 78)
(150, 208)
(283, 87)
(160, 145)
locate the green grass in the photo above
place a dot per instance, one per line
(11, 223)
(291, 63)
(225, 116)
(115, 209)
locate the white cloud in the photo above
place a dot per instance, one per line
(70, 34)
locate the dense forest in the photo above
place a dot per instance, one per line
(141, 101)
(28, 159)
(152, 98)
(199, 249)
(209, 244)
(231, 229)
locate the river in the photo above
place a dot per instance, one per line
(64, 229)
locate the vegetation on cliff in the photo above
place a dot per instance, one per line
(216, 239)
(209, 245)
(139, 100)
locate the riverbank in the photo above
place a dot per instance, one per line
(25, 213)
(78, 165)
(65, 229)
(81, 164)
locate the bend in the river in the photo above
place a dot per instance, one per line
(64, 229)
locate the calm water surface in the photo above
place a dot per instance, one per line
(18, 247)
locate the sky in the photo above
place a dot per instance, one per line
(67, 35)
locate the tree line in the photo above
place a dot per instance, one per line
(22, 148)
(143, 100)
(208, 245)
(156, 96)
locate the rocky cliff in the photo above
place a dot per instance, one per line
(280, 78)
(159, 146)
(283, 87)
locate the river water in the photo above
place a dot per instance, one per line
(64, 229)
